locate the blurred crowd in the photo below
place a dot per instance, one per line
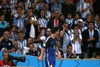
(25, 25)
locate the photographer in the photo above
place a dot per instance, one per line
(6, 61)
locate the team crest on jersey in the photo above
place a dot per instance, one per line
(44, 44)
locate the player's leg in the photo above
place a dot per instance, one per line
(52, 63)
(49, 63)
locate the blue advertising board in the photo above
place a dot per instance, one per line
(32, 61)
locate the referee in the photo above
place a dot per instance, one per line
(50, 49)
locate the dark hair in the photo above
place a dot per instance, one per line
(31, 44)
(19, 7)
(75, 26)
(29, 8)
(58, 41)
(96, 15)
(97, 53)
(52, 11)
(91, 22)
(54, 29)
(39, 15)
(61, 15)
(88, 15)
(69, 45)
(21, 32)
(78, 14)
(70, 14)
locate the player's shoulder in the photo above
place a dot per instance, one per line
(47, 39)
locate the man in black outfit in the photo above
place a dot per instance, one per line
(90, 38)
(56, 21)
(6, 44)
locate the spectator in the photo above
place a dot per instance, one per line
(34, 9)
(52, 15)
(31, 25)
(69, 53)
(86, 9)
(6, 61)
(19, 18)
(6, 44)
(59, 48)
(96, 20)
(18, 50)
(40, 5)
(30, 2)
(81, 25)
(14, 33)
(48, 32)
(90, 38)
(79, 5)
(42, 21)
(47, 12)
(21, 41)
(5, 9)
(3, 24)
(77, 16)
(89, 18)
(32, 50)
(65, 40)
(76, 41)
(69, 20)
(62, 17)
(29, 13)
(29, 40)
(55, 22)
(13, 5)
(26, 4)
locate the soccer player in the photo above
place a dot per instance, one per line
(50, 49)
